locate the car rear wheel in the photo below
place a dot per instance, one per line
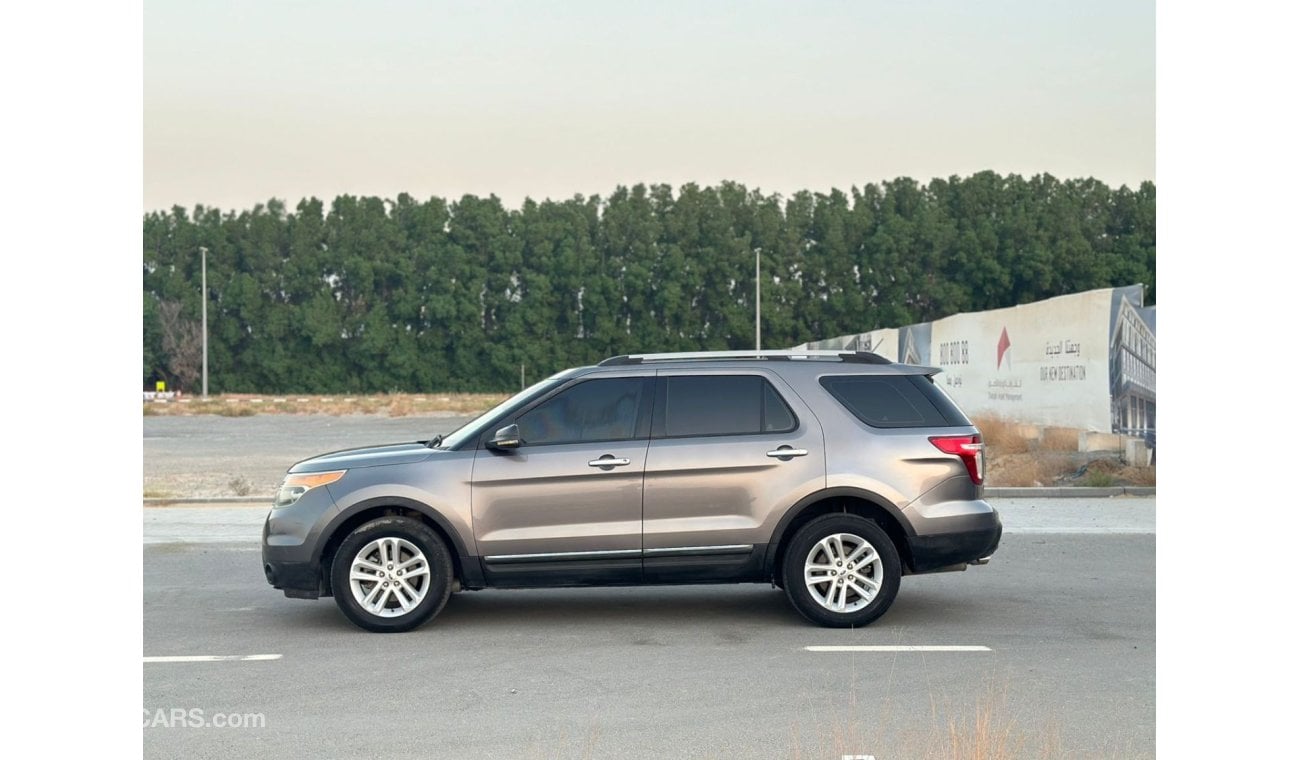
(841, 571)
(391, 575)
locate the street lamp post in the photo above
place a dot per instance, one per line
(203, 251)
(758, 302)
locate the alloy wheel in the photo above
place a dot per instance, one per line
(389, 577)
(843, 572)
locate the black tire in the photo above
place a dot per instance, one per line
(439, 578)
(890, 571)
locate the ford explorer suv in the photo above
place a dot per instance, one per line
(828, 474)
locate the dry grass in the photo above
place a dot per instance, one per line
(401, 407)
(1019, 455)
(1002, 436)
(1105, 466)
(235, 410)
(989, 734)
(1060, 439)
(1138, 476)
(986, 729)
(1014, 454)
(1028, 469)
(390, 404)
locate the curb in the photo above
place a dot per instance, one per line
(1067, 492)
(169, 500)
(1054, 492)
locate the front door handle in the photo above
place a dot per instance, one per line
(608, 461)
(785, 452)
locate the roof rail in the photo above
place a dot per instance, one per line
(861, 357)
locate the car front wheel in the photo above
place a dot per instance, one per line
(391, 575)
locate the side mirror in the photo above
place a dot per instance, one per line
(506, 438)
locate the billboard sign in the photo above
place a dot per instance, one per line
(1044, 362)
(1084, 360)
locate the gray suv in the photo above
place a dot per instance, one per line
(829, 474)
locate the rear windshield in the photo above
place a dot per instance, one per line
(895, 401)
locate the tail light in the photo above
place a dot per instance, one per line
(969, 448)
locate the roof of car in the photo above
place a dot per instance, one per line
(863, 362)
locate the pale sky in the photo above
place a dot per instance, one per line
(249, 100)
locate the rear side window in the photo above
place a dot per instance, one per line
(702, 405)
(894, 401)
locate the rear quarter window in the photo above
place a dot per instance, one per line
(894, 401)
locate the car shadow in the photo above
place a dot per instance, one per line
(618, 606)
(740, 612)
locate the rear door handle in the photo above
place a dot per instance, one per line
(785, 452)
(609, 461)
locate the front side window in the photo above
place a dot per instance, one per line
(705, 405)
(595, 410)
(476, 427)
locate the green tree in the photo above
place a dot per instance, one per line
(369, 294)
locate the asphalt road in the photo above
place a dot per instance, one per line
(1066, 610)
(207, 455)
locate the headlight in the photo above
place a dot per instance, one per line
(295, 485)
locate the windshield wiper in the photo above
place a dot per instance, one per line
(433, 444)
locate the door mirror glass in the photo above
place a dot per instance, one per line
(505, 438)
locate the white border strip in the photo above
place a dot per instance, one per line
(899, 648)
(215, 658)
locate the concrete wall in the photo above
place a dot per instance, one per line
(1042, 363)
(1045, 362)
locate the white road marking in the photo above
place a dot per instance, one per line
(216, 658)
(899, 648)
(1084, 530)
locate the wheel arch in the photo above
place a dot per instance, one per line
(845, 499)
(393, 506)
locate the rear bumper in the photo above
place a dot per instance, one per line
(978, 539)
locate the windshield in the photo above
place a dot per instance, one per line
(474, 427)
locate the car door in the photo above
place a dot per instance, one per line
(564, 508)
(730, 451)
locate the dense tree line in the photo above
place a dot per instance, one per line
(374, 294)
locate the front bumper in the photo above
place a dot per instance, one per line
(290, 543)
(977, 540)
(298, 580)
